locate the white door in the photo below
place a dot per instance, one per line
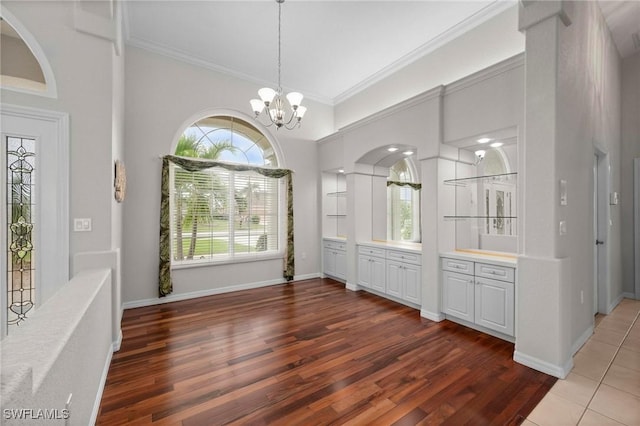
(329, 262)
(494, 305)
(394, 278)
(378, 276)
(595, 233)
(341, 264)
(458, 295)
(412, 283)
(364, 271)
(34, 218)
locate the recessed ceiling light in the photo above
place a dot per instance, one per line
(408, 153)
(340, 170)
(484, 140)
(392, 149)
(496, 145)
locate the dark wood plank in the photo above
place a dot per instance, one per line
(310, 352)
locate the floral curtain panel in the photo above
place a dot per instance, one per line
(193, 165)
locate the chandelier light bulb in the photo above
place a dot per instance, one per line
(267, 94)
(295, 99)
(257, 106)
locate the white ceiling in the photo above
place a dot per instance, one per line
(330, 49)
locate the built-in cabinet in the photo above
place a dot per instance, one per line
(392, 272)
(479, 293)
(334, 258)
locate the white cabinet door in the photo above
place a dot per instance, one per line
(412, 283)
(329, 262)
(395, 274)
(494, 305)
(458, 295)
(364, 271)
(341, 264)
(378, 275)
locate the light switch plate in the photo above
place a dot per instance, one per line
(563, 227)
(82, 224)
(563, 192)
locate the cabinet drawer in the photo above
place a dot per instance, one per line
(371, 251)
(495, 272)
(335, 245)
(456, 265)
(404, 256)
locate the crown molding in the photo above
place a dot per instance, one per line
(445, 37)
(434, 93)
(203, 63)
(491, 71)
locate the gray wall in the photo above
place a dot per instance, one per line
(163, 97)
(630, 150)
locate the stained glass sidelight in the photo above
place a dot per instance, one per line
(20, 217)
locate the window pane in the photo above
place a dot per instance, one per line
(220, 214)
(20, 160)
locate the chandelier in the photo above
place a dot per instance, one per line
(276, 110)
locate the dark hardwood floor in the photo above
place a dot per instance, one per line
(310, 353)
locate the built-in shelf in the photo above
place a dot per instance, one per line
(480, 217)
(334, 204)
(503, 177)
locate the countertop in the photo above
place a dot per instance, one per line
(493, 257)
(395, 245)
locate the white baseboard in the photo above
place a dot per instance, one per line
(211, 292)
(307, 276)
(352, 287)
(559, 371)
(118, 342)
(437, 317)
(628, 295)
(581, 340)
(103, 381)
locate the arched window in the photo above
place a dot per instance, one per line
(23, 66)
(403, 203)
(225, 213)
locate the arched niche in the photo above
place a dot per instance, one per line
(23, 66)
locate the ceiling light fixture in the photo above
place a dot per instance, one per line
(272, 99)
(496, 145)
(484, 140)
(408, 153)
(392, 149)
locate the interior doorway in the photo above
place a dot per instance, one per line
(600, 232)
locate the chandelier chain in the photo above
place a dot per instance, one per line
(279, 47)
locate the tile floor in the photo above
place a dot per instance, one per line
(603, 388)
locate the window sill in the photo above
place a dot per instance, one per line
(188, 264)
